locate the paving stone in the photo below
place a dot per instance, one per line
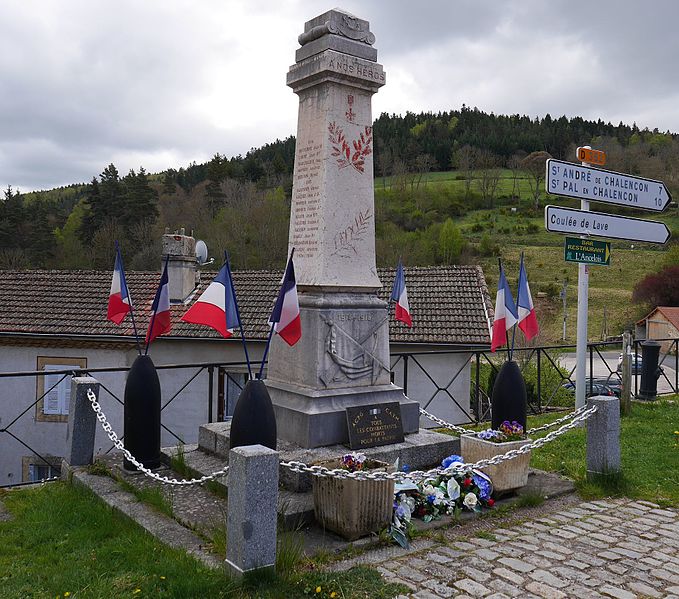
(497, 596)
(617, 568)
(665, 575)
(509, 575)
(425, 594)
(439, 558)
(504, 587)
(441, 590)
(617, 592)
(449, 552)
(609, 555)
(645, 589)
(475, 574)
(411, 574)
(627, 552)
(487, 554)
(546, 577)
(543, 590)
(517, 564)
(472, 587)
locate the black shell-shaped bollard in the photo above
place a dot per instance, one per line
(142, 414)
(508, 401)
(254, 421)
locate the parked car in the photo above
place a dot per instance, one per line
(636, 363)
(595, 387)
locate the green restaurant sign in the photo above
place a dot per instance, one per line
(587, 251)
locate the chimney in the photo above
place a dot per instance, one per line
(181, 266)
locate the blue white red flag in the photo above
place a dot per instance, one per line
(216, 307)
(119, 302)
(505, 313)
(527, 320)
(160, 322)
(399, 294)
(285, 314)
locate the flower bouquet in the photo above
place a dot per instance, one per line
(447, 494)
(510, 474)
(353, 508)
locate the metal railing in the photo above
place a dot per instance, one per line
(462, 377)
(27, 401)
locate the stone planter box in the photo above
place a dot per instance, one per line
(353, 508)
(507, 476)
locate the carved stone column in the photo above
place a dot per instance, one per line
(342, 359)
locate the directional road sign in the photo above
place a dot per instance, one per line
(587, 251)
(596, 157)
(582, 222)
(598, 185)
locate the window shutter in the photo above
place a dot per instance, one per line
(56, 400)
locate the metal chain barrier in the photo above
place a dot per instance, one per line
(531, 431)
(118, 444)
(421, 474)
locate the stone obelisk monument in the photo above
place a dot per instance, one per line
(342, 359)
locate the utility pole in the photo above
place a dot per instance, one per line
(563, 297)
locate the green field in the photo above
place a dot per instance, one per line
(513, 225)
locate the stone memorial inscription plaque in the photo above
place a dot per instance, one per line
(374, 425)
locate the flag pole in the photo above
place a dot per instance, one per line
(153, 318)
(273, 324)
(517, 307)
(509, 357)
(240, 323)
(129, 297)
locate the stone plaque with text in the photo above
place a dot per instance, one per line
(370, 426)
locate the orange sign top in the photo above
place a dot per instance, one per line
(596, 157)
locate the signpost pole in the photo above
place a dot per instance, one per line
(581, 342)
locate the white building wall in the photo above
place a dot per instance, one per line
(183, 415)
(448, 395)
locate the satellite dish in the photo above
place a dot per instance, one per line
(201, 251)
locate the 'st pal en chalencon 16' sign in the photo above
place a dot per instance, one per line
(599, 185)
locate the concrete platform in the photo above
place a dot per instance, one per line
(421, 450)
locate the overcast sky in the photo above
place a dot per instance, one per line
(160, 84)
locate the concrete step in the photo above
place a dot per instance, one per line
(422, 450)
(294, 509)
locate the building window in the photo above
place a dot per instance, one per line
(54, 388)
(34, 468)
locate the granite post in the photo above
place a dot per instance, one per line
(342, 359)
(82, 422)
(252, 510)
(603, 437)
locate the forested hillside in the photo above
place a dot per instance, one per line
(440, 180)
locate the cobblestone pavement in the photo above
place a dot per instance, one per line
(617, 548)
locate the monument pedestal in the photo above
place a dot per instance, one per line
(341, 361)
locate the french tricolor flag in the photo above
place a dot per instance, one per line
(119, 303)
(399, 294)
(527, 321)
(160, 310)
(216, 307)
(505, 313)
(285, 317)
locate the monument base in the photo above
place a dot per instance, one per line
(304, 420)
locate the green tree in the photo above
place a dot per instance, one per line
(451, 242)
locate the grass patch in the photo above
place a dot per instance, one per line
(484, 534)
(650, 459)
(152, 496)
(178, 462)
(530, 500)
(63, 539)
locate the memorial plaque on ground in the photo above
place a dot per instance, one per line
(587, 251)
(370, 426)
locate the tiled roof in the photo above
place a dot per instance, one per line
(447, 303)
(670, 312)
